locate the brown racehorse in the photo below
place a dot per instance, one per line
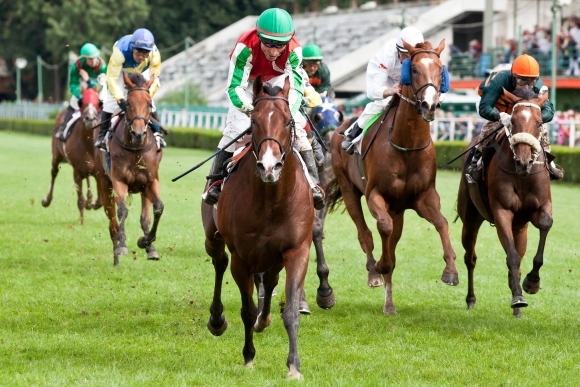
(134, 168)
(517, 186)
(78, 151)
(264, 216)
(399, 167)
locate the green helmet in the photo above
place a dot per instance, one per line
(89, 50)
(311, 52)
(275, 24)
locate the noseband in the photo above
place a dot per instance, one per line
(418, 101)
(138, 117)
(256, 148)
(525, 138)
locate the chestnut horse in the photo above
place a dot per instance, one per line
(264, 216)
(78, 151)
(516, 191)
(134, 168)
(399, 171)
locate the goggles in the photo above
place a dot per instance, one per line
(272, 43)
(525, 81)
(142, 51)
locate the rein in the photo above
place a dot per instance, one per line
(256, 148)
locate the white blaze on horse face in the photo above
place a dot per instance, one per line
(527, 115)
(269, 160)
(430, 92)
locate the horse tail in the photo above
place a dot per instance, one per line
(333, 194)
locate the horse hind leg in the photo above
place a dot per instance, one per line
(531, 283)
(56, 160)
(397, 220)
(269, 282)
(145, 221)
(80, 198)
(324, 295)
(152, 194)
(215, 248)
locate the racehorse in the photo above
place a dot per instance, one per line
(78, 152)
(264, 216)
(515, 190)
(398, 161)
(132, 166)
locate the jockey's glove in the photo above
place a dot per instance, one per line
(505, 119)
(247, 108)
(80, 101)
(122, 104)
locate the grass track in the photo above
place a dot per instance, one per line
(69, 318)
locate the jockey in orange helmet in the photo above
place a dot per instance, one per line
(524, 74)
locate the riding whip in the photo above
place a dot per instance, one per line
(313, 128)
(214, 155)
(107, 120)
(474, 145)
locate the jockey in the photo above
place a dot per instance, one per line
(383, 81)
(524, 74)
(136, 53)
(87, 71)
(271, 51)
(316, 69)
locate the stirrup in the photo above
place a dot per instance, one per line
(348, 146)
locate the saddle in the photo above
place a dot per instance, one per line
(68, 128)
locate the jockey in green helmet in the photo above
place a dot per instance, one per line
(318, 72)
(89, 70)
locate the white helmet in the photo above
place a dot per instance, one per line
(410, 35)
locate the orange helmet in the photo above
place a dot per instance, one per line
(526, 66)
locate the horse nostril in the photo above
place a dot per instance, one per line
(261, 167)
(278, 166)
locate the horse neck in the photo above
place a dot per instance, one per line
(410, 130)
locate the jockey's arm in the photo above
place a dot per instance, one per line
(155, 70)
(380, 83)
(491, 91)
(238, 74)
(114, 69)
(74, 81)
(548, 107)
(296, 80)
(325, 77)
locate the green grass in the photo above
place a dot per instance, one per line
(69, 318)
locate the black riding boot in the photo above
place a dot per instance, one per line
(347, 144)
(317, 195)
(216, 173)
(556, 171)
(105, 122)
(317, 149)
(157, 130)
(67, 117)
(474, 170)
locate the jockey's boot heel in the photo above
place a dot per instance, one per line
(216, 173)
(473, 170)
(347, 144)
(317, 195)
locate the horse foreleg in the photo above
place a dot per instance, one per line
(152, 194)
(428, 206)
(145, 220)
(249, 312)
(379, 210)
(215, 248)
(471, 223)
(56, 160)
(504, 219)
(324, 294)
(106, 190)
(80, 198)
(543, 222)
(296, 264)
(352, 201)
(398, 221)
(98, 202)
(121, 192)
(269, 281)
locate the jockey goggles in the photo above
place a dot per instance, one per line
(272, 43)
(141, 44)
(525, 81)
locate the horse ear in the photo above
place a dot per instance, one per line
(440, 47)
(408, 47)
(149, 82)
(128, 82)
(512, 98)
(258, 86)
(286, 89)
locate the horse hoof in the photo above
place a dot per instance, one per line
(530, 287)
(153, 255)
(217, 331)
(519, 302)
(45, 202)
(142, 242)
(375, 280)
(325, 302)
(451, 279)
(294, 374)
(249, 364)
(121, 251)
(389, 310)
(261, 325)
(303, 307)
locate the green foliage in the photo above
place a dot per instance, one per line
(69, 318)
(177, 97)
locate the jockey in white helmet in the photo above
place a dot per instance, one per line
(383, 81)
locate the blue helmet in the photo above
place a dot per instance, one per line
(142, 39)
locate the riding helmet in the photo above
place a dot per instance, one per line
(526, 66)
(311, 52)
(142, 39)
(411, 35)
(275, 24)
(89, 50)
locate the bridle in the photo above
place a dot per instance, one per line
(256, 148)
(138, 117)
(419, 101)
(524, 137)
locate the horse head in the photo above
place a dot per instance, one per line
(426, 72)
(91, 107)
(326, 117)
(526, 127)
(272, 129)
(139, 105)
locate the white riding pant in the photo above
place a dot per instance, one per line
(371, 110)
(110, 104)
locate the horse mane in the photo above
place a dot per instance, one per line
(424, 46)
(526, 94)
(137, 79)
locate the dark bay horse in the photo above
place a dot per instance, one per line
(516, 191)
(264, 216)
(399, 168)
(134, 168)
(78, 151)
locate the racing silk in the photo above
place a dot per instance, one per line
(311, 98)
(93, 73)
(122, 59)
(247, 61)
(493, 102)
(383, 70)
(320, 80)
